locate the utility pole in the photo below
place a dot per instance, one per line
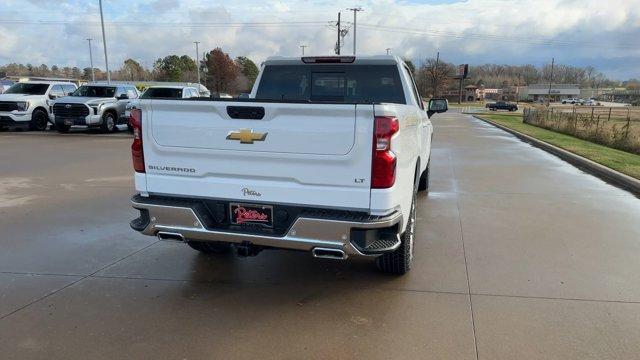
(435, 76)
(93, 75)
(303, 47)
(518, 90)
(104, 44)
(460, 90)
(197, 61)
(355, 12)
(339, 35)
(550, 81)
(388, 50)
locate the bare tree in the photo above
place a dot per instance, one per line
(433, 79)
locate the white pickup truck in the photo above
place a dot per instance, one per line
(326, 156)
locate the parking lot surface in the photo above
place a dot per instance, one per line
(518, 256)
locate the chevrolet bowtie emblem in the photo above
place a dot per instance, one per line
(246, 136)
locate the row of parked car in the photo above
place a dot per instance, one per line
(36, 104)
(587, 102)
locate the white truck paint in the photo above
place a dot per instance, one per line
(314, 155)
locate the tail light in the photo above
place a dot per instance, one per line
(137, 152)
(383, 169)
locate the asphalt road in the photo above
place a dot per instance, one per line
(519, 256)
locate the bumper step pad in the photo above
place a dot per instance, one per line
(388, 242)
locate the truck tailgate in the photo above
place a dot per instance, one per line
(295, 153)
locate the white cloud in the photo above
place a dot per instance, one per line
(474, 31)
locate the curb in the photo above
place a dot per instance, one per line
(609, 175)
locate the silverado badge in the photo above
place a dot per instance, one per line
(246, 136)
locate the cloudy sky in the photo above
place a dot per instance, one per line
(605, 34)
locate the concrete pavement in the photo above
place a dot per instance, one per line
(519, 256)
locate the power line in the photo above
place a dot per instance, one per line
(159, 24)
(491, 37)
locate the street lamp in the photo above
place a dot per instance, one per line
(104, 44)
(93, 75)
(197, 61)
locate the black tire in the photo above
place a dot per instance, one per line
(399, 261)
(39, 120)
(108, 122)
(62, 128)
(209, 247)
(423, 184)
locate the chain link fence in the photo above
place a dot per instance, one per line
(616, 127)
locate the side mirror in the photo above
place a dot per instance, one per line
(437, 106)
(53, 96)
(123, 97)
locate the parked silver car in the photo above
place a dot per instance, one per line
(95, 105)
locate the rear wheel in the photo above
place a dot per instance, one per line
(399, 261)
(209, 247)
(39, 120)
(108, 122)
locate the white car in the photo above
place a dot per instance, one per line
(30, 103)
(325, 157)
(571, 101)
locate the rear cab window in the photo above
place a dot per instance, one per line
(169, 93)
(332, 83)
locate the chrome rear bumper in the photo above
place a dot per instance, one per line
(305, 233)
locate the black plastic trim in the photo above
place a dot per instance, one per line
(246, 112)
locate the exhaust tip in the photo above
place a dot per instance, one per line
(328, 253)
(162, 235)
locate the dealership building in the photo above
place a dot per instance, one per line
(558, 92)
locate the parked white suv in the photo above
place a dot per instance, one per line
(326, 157)
(30, 103)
